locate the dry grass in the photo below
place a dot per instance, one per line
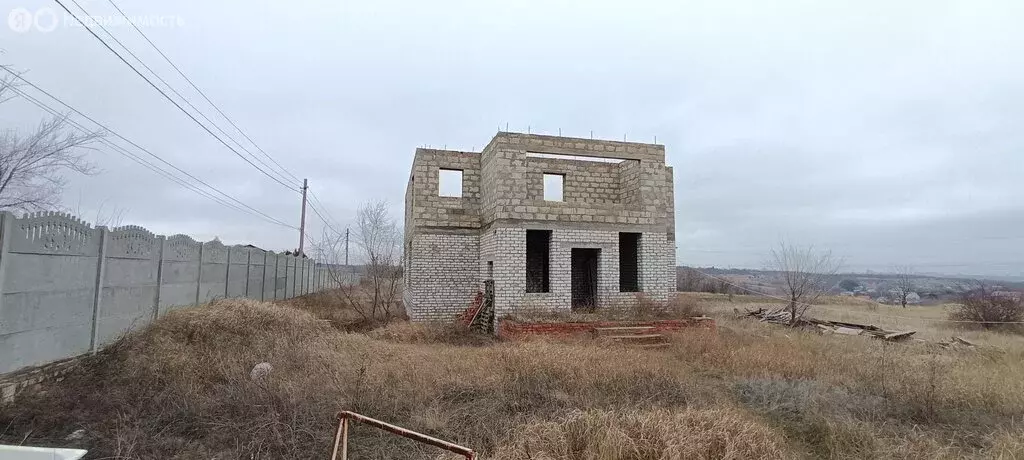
(652, 434)
(181, 389)
(931, 322)
(336, 307)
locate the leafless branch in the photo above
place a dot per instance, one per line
(377, 240)
(32, 165)
(806, 274)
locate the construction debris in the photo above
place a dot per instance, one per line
(963, 341)
(784, 317)
(958, 343)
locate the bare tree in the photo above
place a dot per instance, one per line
(979, 303)
(378, 241)
(904, 283)
(806, 274)
(32, 165)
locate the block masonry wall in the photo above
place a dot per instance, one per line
(503, 197)
(67, 288)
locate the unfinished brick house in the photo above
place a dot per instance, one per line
(557, 223)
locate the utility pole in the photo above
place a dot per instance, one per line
(302, 222)
(346, 246)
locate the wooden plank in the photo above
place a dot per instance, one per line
(897, 336)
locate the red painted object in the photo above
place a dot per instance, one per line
(466, 318)
(513, 329)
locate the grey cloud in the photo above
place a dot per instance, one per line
(885, 131)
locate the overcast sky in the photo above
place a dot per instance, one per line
(887, 131)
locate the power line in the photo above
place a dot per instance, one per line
(171, 87)
(122, 150)
(322, 218)
(329, 218)
(158, 50)
(157, 157)
(164, 94)
(166, 174)
(243, 207)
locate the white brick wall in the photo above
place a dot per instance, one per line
(656, 268)
(443, 277)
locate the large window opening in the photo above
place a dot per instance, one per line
(538, 266)
(553, 184)
(449, 182)
(629, 262)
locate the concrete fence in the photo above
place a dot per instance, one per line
(67, 289)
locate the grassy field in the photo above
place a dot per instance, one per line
(181, 389)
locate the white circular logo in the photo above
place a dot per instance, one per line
(20, 20)
(46, 20)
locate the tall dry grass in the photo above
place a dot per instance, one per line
(650, 434)
(181, 389)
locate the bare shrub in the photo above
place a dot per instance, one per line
(688, 280)
(376, 298)
(979, 304)
(336, 307)
(806, 275)
(692, 280)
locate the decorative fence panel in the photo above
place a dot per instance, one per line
(67, 288)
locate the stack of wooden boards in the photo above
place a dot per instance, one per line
(784, 317)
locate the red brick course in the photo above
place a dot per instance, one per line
(511, 329)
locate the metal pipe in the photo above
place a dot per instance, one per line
(345, 416)
(344, 439)
(337, 438)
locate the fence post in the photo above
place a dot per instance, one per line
(98, 294)
(6, 223)
(227, 273)
(248, 269)
(300, 278)
(277, 267)
(263, 291)
(295, 277)
(199, 275)
(159, 277)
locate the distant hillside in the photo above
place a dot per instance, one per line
(930, 288)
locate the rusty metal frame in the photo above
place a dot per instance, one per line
(341, 436)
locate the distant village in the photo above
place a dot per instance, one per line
(881, 288)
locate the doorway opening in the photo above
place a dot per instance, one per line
(584, 278)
